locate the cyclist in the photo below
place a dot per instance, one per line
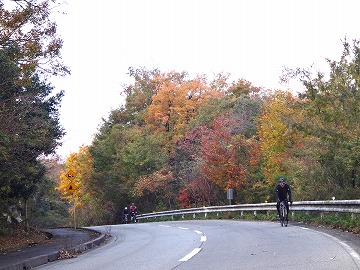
(283, 193)
(133, 212)
(125, 214)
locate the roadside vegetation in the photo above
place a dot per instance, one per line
(175, 142)
(181, 142)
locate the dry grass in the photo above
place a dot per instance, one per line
(21, 238)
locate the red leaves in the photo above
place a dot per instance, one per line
(226, 157)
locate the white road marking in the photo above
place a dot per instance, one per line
(350, 250)
(196, 250)
(190, 255)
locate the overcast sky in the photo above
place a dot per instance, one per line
(250, 39)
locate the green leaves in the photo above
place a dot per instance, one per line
(331, 109)
(29, 34)
(180, 141)
(29, 116)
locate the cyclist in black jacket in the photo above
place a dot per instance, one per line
(283, 193)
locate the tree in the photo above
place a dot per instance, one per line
(29, 117)
(81, 163)
(156, 190)
(243, 87)
(29, 128)
(29, 34)
(176, 104)
(228, 156)
(138, 96)
(275, 134)
(331, 107)
(194, 189)
(46, 209)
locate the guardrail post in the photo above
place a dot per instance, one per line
(205, 214)
(194, 215)
(183, 216)
(242, 213)
(255, 213)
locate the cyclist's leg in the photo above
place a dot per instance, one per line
(287, 209)
(278, 207)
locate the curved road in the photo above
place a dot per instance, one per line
(215, 244)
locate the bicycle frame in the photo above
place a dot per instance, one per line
(283, 214)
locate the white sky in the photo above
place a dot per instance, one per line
(250, 39)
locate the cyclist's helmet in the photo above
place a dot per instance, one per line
(281, 180)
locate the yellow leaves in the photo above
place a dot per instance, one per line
(274, 133)
(81, 164)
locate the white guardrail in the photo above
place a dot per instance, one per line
(345, 206)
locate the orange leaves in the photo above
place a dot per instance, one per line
(154, 183)
(176, 103)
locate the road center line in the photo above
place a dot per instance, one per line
(190, 255)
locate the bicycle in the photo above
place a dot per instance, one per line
(133, 217)
(125, 218)
(283, 214)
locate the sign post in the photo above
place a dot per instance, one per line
(230, 195)
(71, 188)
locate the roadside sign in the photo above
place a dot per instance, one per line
(71, 187)
(70, 175)
(230, 194)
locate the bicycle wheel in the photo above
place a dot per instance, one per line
(282, 213)
(285, 216)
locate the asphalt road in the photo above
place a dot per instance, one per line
(216, 244)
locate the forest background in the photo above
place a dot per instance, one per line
(176, 142)
(182, 142)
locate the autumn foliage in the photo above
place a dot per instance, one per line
(180, 142)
